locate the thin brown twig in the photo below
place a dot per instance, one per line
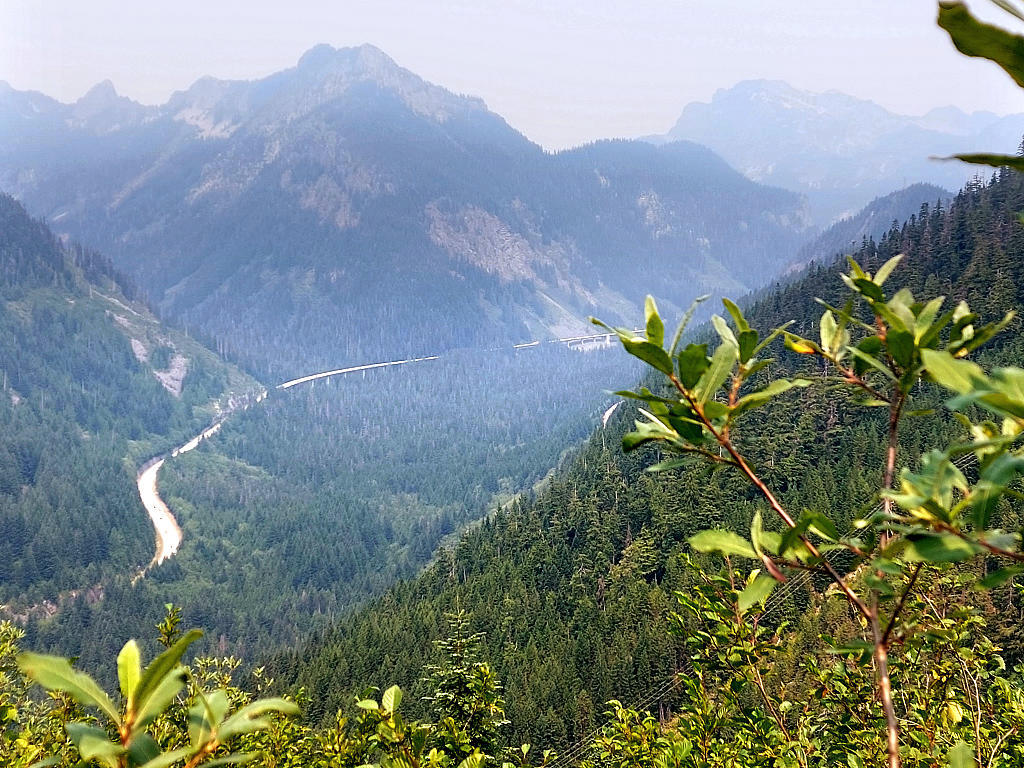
(899, 606)
(766, 492)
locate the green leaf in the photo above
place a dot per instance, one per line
(827, 328)
(645, 432)
(854, 647)
(926, 317)
(959, 375)
(1016, 162)
(664, 466)
(776, 332)
(724, 542)
(152, 705)
(756, 592)
(928, 493)
(693, 361)
(991, 485)
(653, 321)
(981, 40)
(56, 674)
(129, 669)
(748, 343)
(154, 674)
(724, 331)
(392, 698)
(645, 395)
(717, 372)
(761, 396)
(169, 758)
(1003, 575)
(94, 744)
(886, 269)
(931, 336)
(961, 756)
(206, 715)
(869, 289)
(897, 311)
(890, 567)
(142, 748)
(940, 548)
(236, 759)
(821, 525)
(736, 314)
(757, 535)
(870, 361)
(250, 717)
(901, 346)
(652, 354)
(685, 322)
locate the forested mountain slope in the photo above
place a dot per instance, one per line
(296, 512)
(301, 509)
(91, 384)
(572, 586)
(870, 223)
(345, 210)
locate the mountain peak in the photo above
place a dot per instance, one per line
(317, 56)
(324, 57)
(756, 86)
(327, 72)
(101, 95)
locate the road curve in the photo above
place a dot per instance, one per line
(165, 526)
(168, 533)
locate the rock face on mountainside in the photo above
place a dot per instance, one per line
(345, 209)
(840, 150)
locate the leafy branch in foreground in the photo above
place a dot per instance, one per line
(882, 346)
(176, 716)
(976, 38)
(146, 693)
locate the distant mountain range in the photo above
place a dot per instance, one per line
(346, 210)
(839, 150)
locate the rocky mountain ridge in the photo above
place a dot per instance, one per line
(840, 150)
(345, 210)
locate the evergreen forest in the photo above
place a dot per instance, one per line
(787, 535)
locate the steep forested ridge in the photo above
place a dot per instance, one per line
(870, 223)
(571, 586)
(91, 383)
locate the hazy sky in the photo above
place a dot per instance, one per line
(562, 71)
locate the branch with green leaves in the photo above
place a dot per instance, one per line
(124, 741)
(883, 346)
(976, 38)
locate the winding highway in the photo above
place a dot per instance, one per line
(168, 532)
